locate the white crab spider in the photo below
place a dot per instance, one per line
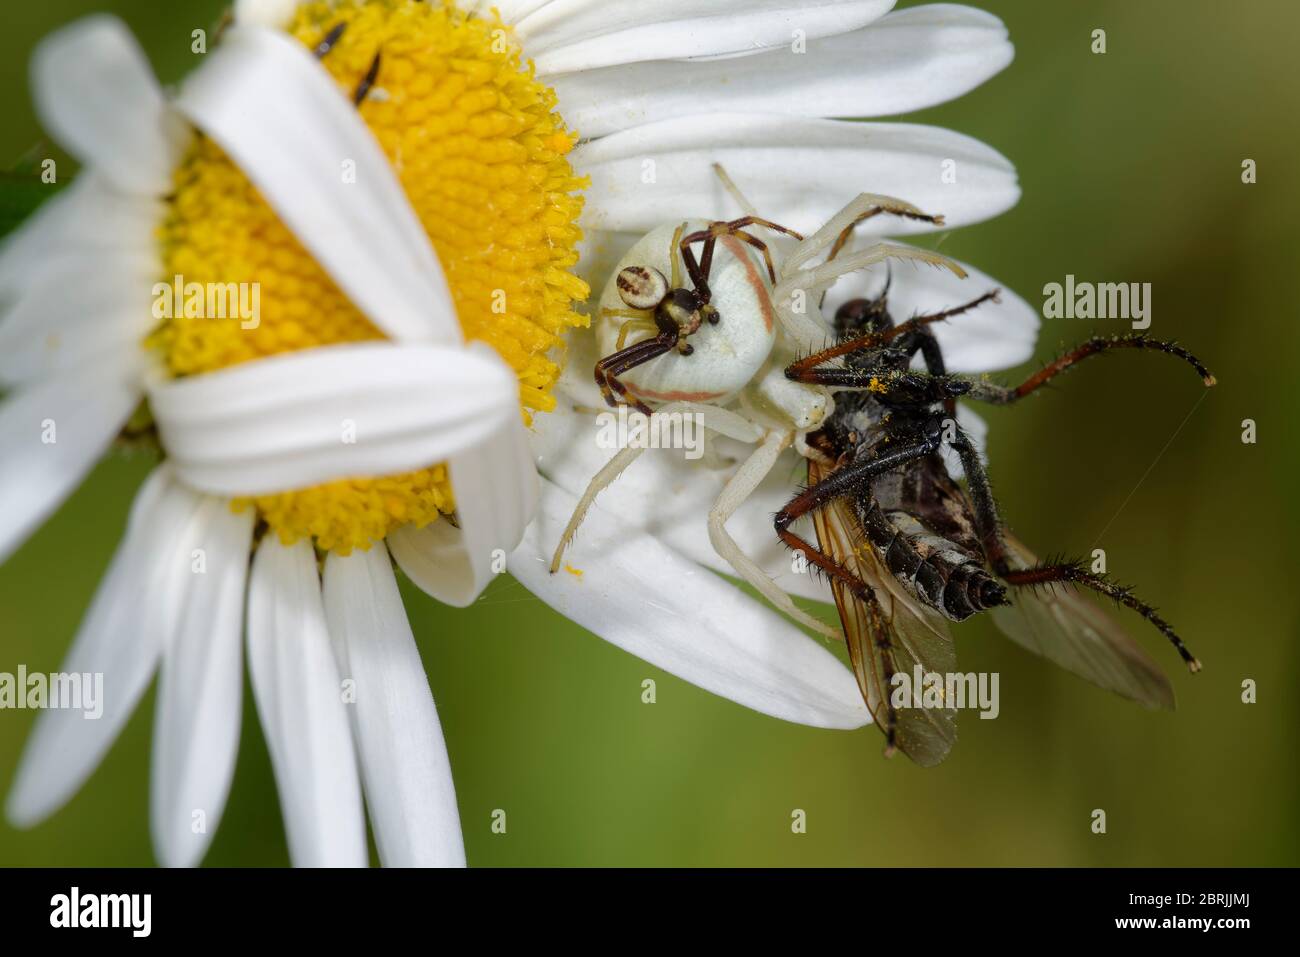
(743, 330)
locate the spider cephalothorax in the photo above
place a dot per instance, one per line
(676, 311)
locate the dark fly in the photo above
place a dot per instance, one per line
(908, 550)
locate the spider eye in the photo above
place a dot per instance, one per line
(642, 287)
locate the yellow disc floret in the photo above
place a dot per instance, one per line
(476, 143)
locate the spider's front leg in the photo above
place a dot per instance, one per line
(612, 366)
(699, 271)
(883, 204)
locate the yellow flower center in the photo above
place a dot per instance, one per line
(477, 145)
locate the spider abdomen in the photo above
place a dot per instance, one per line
(723, 357)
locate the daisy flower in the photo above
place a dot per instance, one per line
(404, 190)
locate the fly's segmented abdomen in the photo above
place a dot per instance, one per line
(932, 568)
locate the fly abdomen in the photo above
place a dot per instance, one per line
(933, 569)
(900, 557)
(970, 589)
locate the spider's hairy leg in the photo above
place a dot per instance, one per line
(631, 326)
(736, 492)
(885, 204)
(699, 272)
(804, 333)
(615, 364)
(730, 186)
(715, 419)
(634, 322)
(599, 482)
(623, 314)
(835, 231)
(675, 279)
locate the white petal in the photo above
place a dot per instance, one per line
(568, 35)
(96, 94)
(343, 411)
(996, 335)
(134, 613)
(409, 789)
(512, 11)
(495, 485)
(266, 13)
(196, 721)
(797, 171)
(298, 147)
(299, 695)
(51, 434)
(65, 319)
(654, 603)
(905, 61)
(73, 232)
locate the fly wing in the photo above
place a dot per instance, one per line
(887, 634)
(1064, 627)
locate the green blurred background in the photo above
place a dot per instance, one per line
(1131, 169)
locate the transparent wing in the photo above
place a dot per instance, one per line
(887, 634)
(1065, 627)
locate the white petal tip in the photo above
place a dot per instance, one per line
(265, 13)
(98, 29)
(21, 814)
(30, 805)
(178, 857)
